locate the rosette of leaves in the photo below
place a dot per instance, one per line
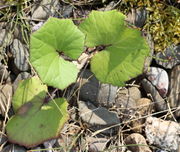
(55, 39)
(35, 119)
(125, 48)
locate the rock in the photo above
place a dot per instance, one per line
(162, 133)
(132, 92)
(143, 108)
(174, 96)
(37, 26)
(159, 78)
(158, 101)
(93, 91)
(49, 145)
(126, 102)
(5, 98)
(106, 95)
(96, 117)
(5, 38)
(96, 144)
(13, 148)
(20, 55)
(21, 76)
(3, 138)
(130, 106)
(169, 58)
(139, 140)
(3, 72)
(66, 11)
(45, 9)
(137, 17)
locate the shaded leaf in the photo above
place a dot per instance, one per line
(35, 120)
(27, 90)
(35, 123)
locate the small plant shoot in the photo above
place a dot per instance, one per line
(125, 50)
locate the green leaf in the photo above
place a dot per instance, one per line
(125, 50)
(36, 121)
(27, 90)
(53, 38)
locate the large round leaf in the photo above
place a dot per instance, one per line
(35, 120)
(35, 123)
(53, 38)
(125, 50)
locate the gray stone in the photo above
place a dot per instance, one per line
(158, 101)
(174, 96)
(20, 54)
(96, 144)
(3, 138)
(132, 92)
(162, 133)
(138, 140)
(96, 116)
(66, 11)
(13, 148)
(94, 91)
(5, 38)
(49, 145)
(169, 58)
(45, 9)
(142, 109)
(126, 102)
(137, 17)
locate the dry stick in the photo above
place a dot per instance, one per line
(170, 111)
(6, 117)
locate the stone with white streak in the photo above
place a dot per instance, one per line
(162, 133)
(20, 54)
(159, 78)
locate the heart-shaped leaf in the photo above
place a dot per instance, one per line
(125, 52)
(36, 121)
(53, 38)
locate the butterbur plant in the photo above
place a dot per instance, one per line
(122, 59)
